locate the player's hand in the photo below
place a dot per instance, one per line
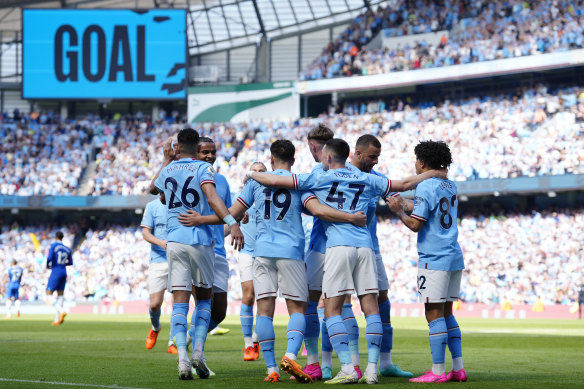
(237, 240)
(403, 202)
(441, 173)
(245, 218)
(170, 152)
(190, 219)
(245, 178)
(163, 244)
(394, 204)
(359, 219)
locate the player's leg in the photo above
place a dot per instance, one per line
(246, 309)
(179, 284)
(433, 290)
(386, 366)
(154, 310)
(314, 269)
(16, 297)
(61, 303)
(326, 346)
(202, 263)
(337, 282)
(350, 323)
(454, 335)
(365, 272)
(219, 302)
(292, 283)
(52, 286)
(8, 307)
(265, 280)
(171, 346)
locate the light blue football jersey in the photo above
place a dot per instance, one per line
(218, 231)
(435, 203)
(155, 219)
(317, 235)
(250, 231)
(181, 183)
(372, 217)
(349, 190)
(279, 220)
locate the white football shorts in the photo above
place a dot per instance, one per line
(283, 274)
(245, 267)
(220, 275)
(157, 277)
(314, 269)
(382, 281)
(438, 286)
(189, 266)
(349, 270)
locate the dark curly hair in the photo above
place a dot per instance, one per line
(436, 154)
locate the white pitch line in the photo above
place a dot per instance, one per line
(67, 384)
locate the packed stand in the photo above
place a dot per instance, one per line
(516, 256)
(489, 31)
(41, 155)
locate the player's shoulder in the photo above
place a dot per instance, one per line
(317, 167)
(376, 173)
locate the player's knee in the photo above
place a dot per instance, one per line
(382, 297)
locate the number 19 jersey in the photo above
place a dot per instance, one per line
(435, 204)
(181, 183)
(279, 221)
(349, 190)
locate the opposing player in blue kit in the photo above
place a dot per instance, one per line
(349, 265)
(365, 157)
(154, 232)
(279, 253)
(190, 184)
(14, 279)
(59, 258)
(440, 264)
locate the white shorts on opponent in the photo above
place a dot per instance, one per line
(349, 270)
(220, 275)
(283, 274)
(314, 269)
(157, 277)
(189, 266)
(438, 286)
(245, 262)
(382, 281)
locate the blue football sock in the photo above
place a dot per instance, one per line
(246, 319)
(373, 336)
(295, 333)
(438, 340)
(311, 333)
(155, 319)
(326, 344)
(202, 318)
(454, 337)
(191, 330)
(266, 336)
(387, 340)
(353, 332)
(339, 338)
(212, 325)
(179, 322)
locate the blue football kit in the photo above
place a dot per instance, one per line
(14, 278)
(155, 218)
(435, 203)
(224, 193)
(59, 258)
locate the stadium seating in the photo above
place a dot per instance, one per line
(481, 31)
(516, 256)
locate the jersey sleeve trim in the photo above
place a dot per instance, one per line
(295, 181)
(395, 194)
(418, 217)
(308, 199)
(207, 182)
(242, 202)
(144, 225)
(388, 189)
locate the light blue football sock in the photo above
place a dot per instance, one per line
(179, 322)
(311, 333)
(438, 340)
(266, 336)
(454, 337)
(339, 338)
(353, 332)
(202, 318)
(246, 319)
(373, 336)
(295, 334)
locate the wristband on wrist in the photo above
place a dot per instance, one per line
(249, 174)
(229, 220)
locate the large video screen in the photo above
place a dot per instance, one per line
(104, 54)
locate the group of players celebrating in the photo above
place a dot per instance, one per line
(188, 224)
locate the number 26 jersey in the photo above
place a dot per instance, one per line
(435, 203)
(181, 183)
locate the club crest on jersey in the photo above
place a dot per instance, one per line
(211, 171)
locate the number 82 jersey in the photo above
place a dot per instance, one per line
(436, 203)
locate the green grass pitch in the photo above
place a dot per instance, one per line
(108, 351)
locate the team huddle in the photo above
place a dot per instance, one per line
(187, 226)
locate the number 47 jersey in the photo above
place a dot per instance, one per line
(435, 203)
(181, 183)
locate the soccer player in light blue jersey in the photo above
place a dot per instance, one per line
(279, 254)
(365, 157)
(14, 279)
(189, 184)
(440, 264)
(58, 259)
(154, 232)
(349, 265)
(245, 259)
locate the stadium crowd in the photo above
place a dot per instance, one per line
(516, 256)
(478, 31)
